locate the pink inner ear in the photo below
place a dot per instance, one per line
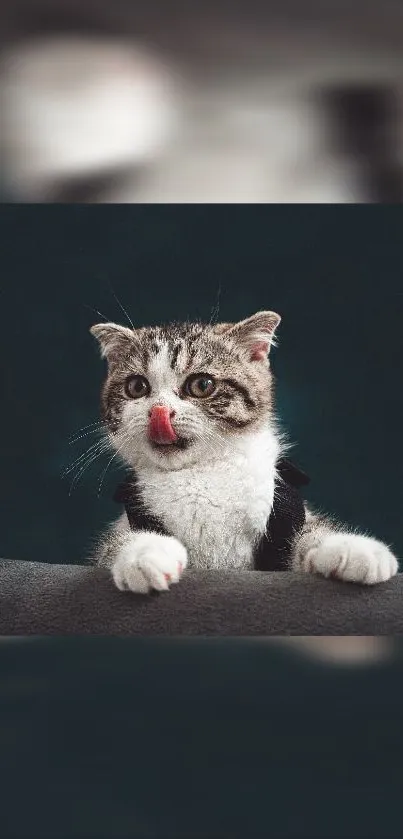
(259, 351)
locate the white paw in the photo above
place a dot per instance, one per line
(352, 558)
(149, 561)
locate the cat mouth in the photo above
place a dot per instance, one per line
(180, 444)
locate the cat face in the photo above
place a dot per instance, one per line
(181, 394)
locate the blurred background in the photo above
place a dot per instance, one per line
(335, 276)
(284, 101)
(196, 738)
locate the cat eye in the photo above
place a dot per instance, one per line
(136, 387)
(199, 386)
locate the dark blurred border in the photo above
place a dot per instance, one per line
(145, 738)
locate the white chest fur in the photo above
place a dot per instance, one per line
(218, 510)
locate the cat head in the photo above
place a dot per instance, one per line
(178, 394)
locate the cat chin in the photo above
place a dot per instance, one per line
(179, 445)
(167, 457)
(173, 456)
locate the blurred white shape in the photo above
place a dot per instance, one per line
(105, 110)
(344, 649)
(242, 146)
(77, 106)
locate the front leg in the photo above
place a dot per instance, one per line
(140, 561)
(322, 548)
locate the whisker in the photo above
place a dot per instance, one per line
(84, 427)
(96, 311)
(82, 456)
(86, 434)
(105, 471)
(124, 438)
(86, 465)
(122, 307)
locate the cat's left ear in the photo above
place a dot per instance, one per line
(256, 334)
(113, 339)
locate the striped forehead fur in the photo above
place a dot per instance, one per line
(193, 341)
(170, 353)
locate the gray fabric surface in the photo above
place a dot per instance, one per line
(43, 599)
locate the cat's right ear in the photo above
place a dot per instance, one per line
(255, 334)
(114, 340)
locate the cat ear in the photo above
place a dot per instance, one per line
(256, 334)
(113, 339)
(220, 328)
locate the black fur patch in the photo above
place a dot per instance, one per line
(175, 352)
(272, 553)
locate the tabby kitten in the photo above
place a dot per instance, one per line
(189, 408)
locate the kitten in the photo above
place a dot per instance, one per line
(189, 408)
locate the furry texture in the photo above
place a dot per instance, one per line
(213, 488)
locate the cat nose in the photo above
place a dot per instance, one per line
(162, 411)
(160, 429)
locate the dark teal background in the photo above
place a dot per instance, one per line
(189, 739)
(334, 274)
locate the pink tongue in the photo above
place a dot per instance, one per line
(160, 427)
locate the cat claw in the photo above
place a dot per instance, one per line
(149, 562)
(352, 558)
